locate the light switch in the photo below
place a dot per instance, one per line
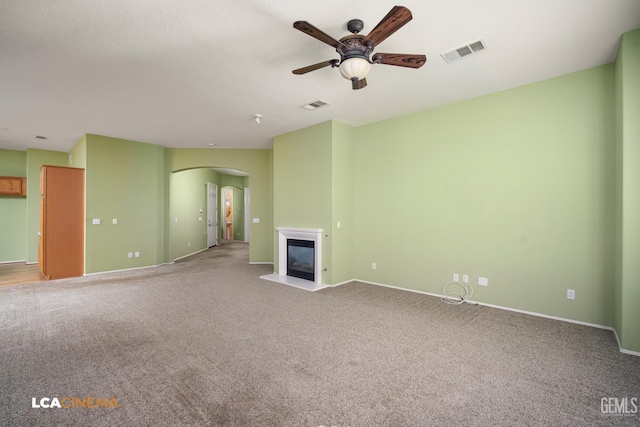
(256, 220)
(115, 221)
(199, 218)
(96, 221)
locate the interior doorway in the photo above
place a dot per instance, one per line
(228, 214)
(212, 214)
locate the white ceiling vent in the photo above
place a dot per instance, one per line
(462, 51)
(317, 104)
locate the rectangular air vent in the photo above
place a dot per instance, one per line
(317, 104)
(462, 51)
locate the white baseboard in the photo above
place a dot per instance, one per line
(342, 283)
(623, 350)
(192, 253)
(530, 313)
(260, 263)
(399, 288)
(123, 269)
(15, 262)
(546, 316)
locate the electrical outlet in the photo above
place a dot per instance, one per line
(130, 254)
(456, 277)
(373, 266)
(571, 294)
(137, 255)
(465, 278)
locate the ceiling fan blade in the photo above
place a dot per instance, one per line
(304, 70)
(395, 19)
(309, 29)
(358, 84)
(400, 59)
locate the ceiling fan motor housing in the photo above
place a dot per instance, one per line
(352, 47)
(355, 26)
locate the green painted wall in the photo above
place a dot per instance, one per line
(35, 160)
(126, 180)
(232, 181)
(627, 247)
(515, 186)
(302, 196)
(258, 163)
(342, 195)
(13, 163)
(78, 154)
(188, 196)
(13, 210)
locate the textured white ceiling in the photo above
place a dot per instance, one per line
(192, 73)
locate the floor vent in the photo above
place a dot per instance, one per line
(463, 51)
(317, 104)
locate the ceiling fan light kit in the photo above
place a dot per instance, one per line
(357, 68)
(355, 49)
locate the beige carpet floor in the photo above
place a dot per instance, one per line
(204, 341)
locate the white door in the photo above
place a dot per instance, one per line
(247, 223)
(212, 214)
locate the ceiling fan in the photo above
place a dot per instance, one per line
(354, 63)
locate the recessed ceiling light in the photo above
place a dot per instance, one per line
(43, 138)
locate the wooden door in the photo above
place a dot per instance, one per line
(62, 222)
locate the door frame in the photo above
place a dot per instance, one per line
(212, 214)
(247, 222)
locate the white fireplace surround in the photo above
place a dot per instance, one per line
(310, 234)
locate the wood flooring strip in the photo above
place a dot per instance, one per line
(19, 273)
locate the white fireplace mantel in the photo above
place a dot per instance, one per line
(310, 234)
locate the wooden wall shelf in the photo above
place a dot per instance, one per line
(13, 186)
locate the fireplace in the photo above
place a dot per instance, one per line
(304, 245)
(301, 259)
